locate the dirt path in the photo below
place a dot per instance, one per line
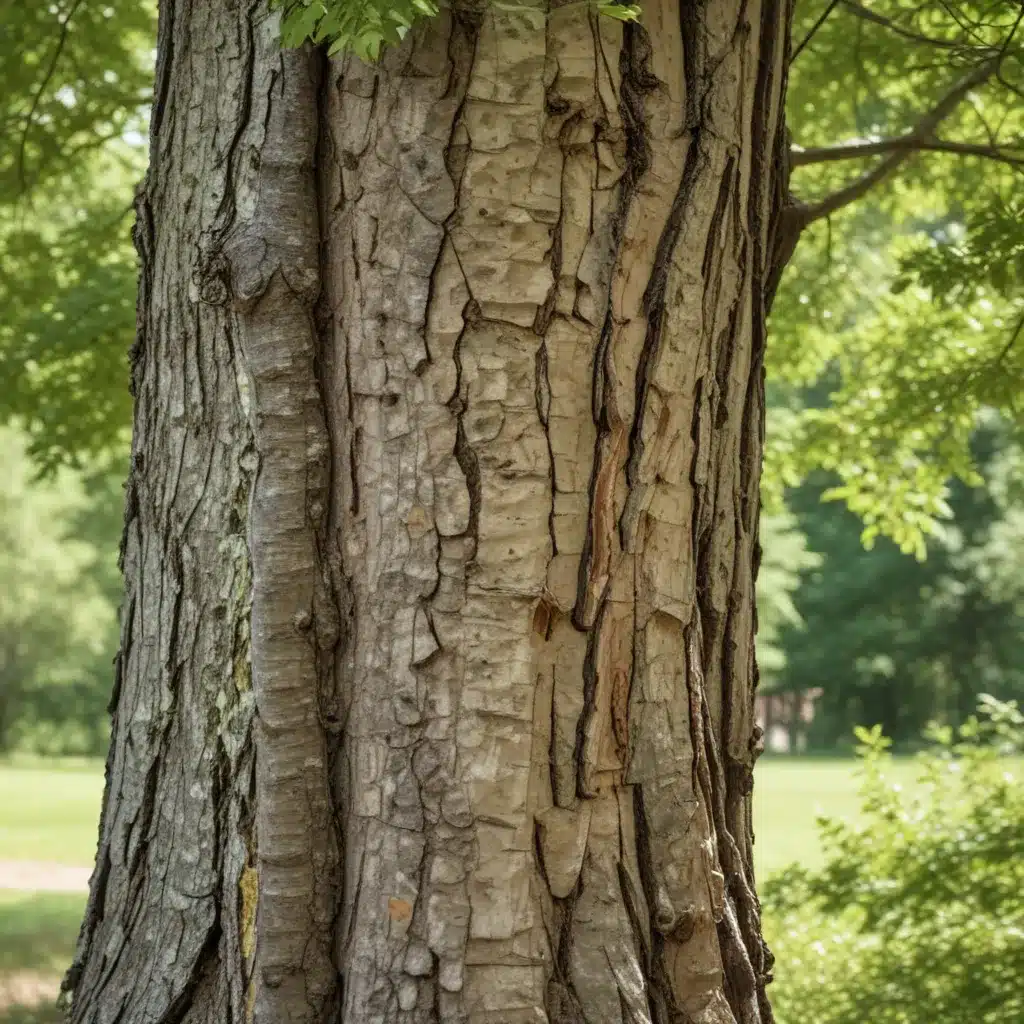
(36, 876)
(28, 990)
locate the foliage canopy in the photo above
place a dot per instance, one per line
(910, 642)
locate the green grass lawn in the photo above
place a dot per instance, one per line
(49, 810)
(789, 796)
(38, 930)
(37, 940)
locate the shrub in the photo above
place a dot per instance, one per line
(917, 916)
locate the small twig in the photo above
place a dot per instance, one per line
(30, 116)
(814, 29)
(860, 11)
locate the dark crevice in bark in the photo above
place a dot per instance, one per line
(554, 106)
(695, 694)
(465, 454)
(202, 978)
(713, 242)
(690, 18)
(140, 828)
(740, 917)
(144, 238)
(563, 1003)
(589, 709)
(542, 397)
(642, 940)
(660, 998)
(164, 63)
(654, 303)
(468, 23)
(225, 216)
(636, 80)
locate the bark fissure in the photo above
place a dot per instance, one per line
(636, 81)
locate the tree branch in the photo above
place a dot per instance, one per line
(813, 30)
(859, 150)
(922, 132)
(860, 11)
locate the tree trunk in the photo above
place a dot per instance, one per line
(435, 697)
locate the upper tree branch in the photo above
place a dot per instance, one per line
(860, 11)
(64, 20)
(919, 137)
(856, 150)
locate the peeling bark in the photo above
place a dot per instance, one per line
(435, 699)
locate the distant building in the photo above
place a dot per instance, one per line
(785, 718)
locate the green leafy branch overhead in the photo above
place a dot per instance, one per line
(365, 27)
(898, 320)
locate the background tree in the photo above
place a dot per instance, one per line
(58, 601)
(75, 81)
(907, 642)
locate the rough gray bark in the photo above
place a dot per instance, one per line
(435, 699)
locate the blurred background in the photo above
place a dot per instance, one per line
(889, 813)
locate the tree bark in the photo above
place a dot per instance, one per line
(435, 697)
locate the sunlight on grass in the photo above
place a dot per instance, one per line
(789, 796)
(49, 810)
(37, 940)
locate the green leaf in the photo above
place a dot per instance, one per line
(622, 12)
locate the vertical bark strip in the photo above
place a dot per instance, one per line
(272, 252)
(462, 353)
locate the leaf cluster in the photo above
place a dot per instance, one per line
(916, 916)
(362, 27)
(898, 320)
(366, 27)
(75, 82)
